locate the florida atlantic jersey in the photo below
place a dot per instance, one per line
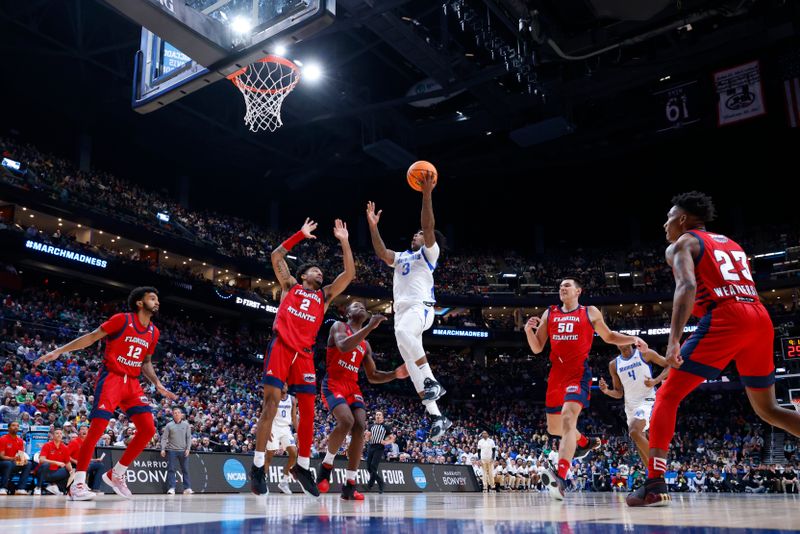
(632, 373)
(571, 335)
(343, 366)
(300, 317)
(128, 343)
(284, 416)
(413, 274)
(722, 273)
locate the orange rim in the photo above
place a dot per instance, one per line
(267, 59)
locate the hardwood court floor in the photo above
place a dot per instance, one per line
(400, 513)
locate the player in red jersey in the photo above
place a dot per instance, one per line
(131, 340)
(290, 356)
(347, 350)
(712, 282)
(570, 329)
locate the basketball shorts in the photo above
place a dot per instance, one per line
(411, 319)
(639, 409)
(737, 331)
(281, 438)
(285, 365)
(568, 384)
(336, 393)
(115, 390)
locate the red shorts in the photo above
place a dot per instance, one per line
(568, 384)
(114, 390)
(283, 364)
(336, 393)
(737, 331)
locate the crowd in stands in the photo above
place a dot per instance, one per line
(237, 238)
(209, 365)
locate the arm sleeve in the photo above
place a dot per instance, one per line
(114, 324)
(432, 253)
(188, 436)
(164, 435)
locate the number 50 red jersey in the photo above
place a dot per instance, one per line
(128, 343)
(722, 273)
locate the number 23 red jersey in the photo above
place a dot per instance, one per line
(128, 343)
(722, 273)
(299, 317)
(343, 366)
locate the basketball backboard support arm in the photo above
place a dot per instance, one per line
(189, 44)
(205, 40)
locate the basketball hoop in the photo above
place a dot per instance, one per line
(796, 404)
(264, 85)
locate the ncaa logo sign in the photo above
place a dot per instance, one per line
(234, 473)
(419, 478)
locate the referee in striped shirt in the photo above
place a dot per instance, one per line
(380, 435)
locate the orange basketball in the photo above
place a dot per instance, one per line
(417, 172)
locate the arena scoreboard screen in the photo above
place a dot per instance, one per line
(791, 348)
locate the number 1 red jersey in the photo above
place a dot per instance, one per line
(722, 273)
(343, 366)
(128, 343)
(300, 317)
(571, 335)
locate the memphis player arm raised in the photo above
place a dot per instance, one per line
(340, 283)
(278, 256)
(536, 332)
(610, 336)
(680, 256)
(387, 255)
(426, 219)
(619, 391)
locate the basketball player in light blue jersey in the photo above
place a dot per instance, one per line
(633, 379)
(414, 299)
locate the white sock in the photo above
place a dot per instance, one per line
(351, 475)
(416, 376)
(258, 459)
(120, 469)
(304, 462)
(432, 408)
(80, 477)
(329, 458)
(426, 371)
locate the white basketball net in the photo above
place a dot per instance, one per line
(264, 85)
(796, 404)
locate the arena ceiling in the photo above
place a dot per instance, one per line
(536, 91)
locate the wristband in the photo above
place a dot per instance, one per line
(292, 241)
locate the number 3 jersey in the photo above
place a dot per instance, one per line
(571, 334)
(299, 318)
(128, 343)
(413, 275)
(722, 273)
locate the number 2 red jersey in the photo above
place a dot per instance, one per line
(343, 366)
(299, 318)
(722, 273)
(571, 335)
(128, 343)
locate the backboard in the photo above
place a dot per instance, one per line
(189, 44)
